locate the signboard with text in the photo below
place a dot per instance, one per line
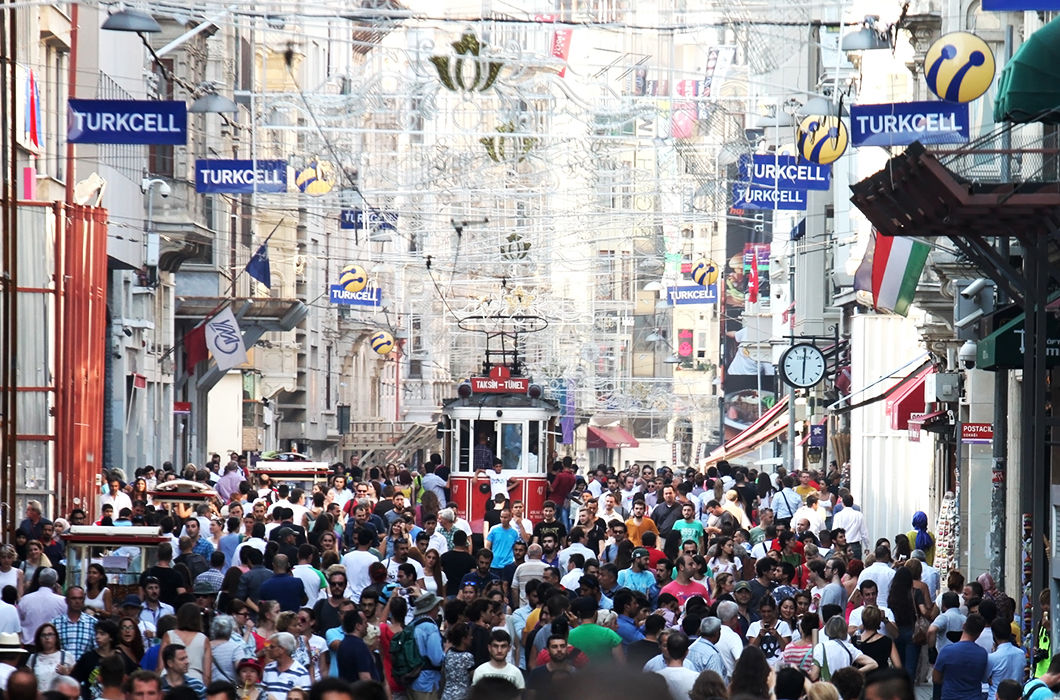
(692, 294)
(360, 219)
(903, 123)
(240, 176)
(784, 172)
(369, 296)
(977, 433)
(747, 196)
(500, 381)
(152, 122)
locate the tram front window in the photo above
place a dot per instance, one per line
(512, 445)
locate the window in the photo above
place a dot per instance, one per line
(160, 159)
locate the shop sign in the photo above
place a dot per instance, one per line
(903, 123)
(692, 294)
(153, 122)
(360, 219)
(240, 176)
(977, 433)
(500, 381)
(747, 196)
(785, 172)
(369, 296)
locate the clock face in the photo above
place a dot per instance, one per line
(803, 365)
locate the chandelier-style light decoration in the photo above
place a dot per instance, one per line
(451, 72)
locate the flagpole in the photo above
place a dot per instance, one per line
(791, 334)
(237, 275)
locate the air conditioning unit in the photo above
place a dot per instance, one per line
(944, 387)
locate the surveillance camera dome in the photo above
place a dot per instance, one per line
(966, 355)
(164, 189)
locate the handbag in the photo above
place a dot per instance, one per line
(920, 627)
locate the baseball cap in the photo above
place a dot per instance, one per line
(640, 552)
(204, 588)
(741, 586)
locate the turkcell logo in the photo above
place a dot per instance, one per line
(1020, 5)
(360, 219)
(905, 122)
(785, 172)
(153, 122)
(959, 67)
(745, 196)
(369, 296)
(240, 176)
(692, 294)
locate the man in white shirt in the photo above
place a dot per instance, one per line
(812, 512)
(499, 481)
(853, 522)
(928, 574)
(628, 491)
(730, 644)
(531, 568)
(679, 680)
(115, 497)
(879, 572)
(870, 596)
(577, 544)
(357, 562)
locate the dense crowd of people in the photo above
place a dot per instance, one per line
(692, 585)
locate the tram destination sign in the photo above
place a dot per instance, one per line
(500, 381)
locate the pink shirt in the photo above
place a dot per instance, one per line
(683, 593)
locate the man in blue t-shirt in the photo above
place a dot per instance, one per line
(1044, 686)
(500, 540)
(355, 661)
(285, 588)
(962, 668)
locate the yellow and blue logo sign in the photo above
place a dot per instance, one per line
(353, 278)
(382, 342)
(317, 178)
(959, 67)
(705, 272)
(822, 139)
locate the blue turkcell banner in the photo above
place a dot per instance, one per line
(240, 176)
(152, 122)
(747, 196)
(369, 296)
(1021, 5)
(692, 294)
(902, 123)
(786, 172)
(360, 219)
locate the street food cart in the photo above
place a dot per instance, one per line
(124, 553)
(182, 495)
(299, 475)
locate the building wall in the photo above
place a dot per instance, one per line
(890, 476)
(224, 431)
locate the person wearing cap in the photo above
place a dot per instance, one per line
(249, 672)
(283, 673)
(597, 642)
(285, 588)
(206, 598)
(638, 577)
(427, 685)
(12, 655)
(132, 606)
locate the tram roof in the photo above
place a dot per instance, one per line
(502, 401)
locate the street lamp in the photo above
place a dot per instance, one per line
(211, 102)
(151, 243)
(869, 37)
(126, 20)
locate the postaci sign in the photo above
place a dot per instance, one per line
(240, 176)
(151, 122)
(784, 172)
(902, 123)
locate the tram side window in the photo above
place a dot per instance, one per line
(534, 456)
(465, 446)
(485, 445)
(512, 445)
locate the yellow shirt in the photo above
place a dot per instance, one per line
(636, 531)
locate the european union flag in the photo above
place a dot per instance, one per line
(258, 267)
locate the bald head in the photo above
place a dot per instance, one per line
(281, 564)
(534, 552)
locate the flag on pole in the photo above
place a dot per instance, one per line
(752, 282)
(225, 340)
(195, 348)
(891, 270)
(258, 267)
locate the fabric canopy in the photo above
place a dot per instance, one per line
(769, 426)
(610, 438)
(907, 399)
(1029, 87)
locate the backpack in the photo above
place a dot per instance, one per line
(405, 657)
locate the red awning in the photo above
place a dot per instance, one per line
(610, 438)
(769, 426)
(907, 399)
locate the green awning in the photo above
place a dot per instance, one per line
(1004, 348)
(1029, 87)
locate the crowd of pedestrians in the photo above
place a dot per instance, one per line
(691, 585)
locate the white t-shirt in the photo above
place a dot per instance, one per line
(840, 652)
(392, 568)
(357, 563)
(855, 618)
(498, 483)
(509, 673)
(679, 681)
(310, 579)
(783, 627)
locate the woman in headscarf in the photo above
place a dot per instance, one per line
(989, 587)
(921, 538)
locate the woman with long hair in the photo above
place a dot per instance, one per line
(10, 575)
(725, 560)
(722, 587)
(921, 538)
(98, 599)
(138, 491)
(50, 660)
(395, 532)
(764, 489)
(217, 531)
(268, 611)
(328, 542)
(397, 610)
(189, 634)
(849, 580)
(316, 508)
(35, 559)
(799, 652)
(434, 579)
(751, 675)
(253, 643)
(229, 590)
(86, 670)
(708, 686)
(429, 505)
(902, 550)
(907, 603)
(786, 612)
(130, 641)
(322, 524)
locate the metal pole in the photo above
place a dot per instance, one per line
(790, 457)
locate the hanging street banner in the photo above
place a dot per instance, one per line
(692, 294)
(369, 296)
(240, 176)
(152, 122)
(360, 219)
(903, 123)
(746, 196)
(784, 172)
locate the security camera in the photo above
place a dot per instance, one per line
(165, 190)
(966, 355)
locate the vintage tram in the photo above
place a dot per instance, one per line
(508, 415)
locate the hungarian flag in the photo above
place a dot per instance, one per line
(890, 271)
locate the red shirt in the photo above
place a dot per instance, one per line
(683, 593)
(562, 485)
(655, 556)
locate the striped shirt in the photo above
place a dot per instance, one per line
(76, 637)
(193, 683)
(277, 682)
